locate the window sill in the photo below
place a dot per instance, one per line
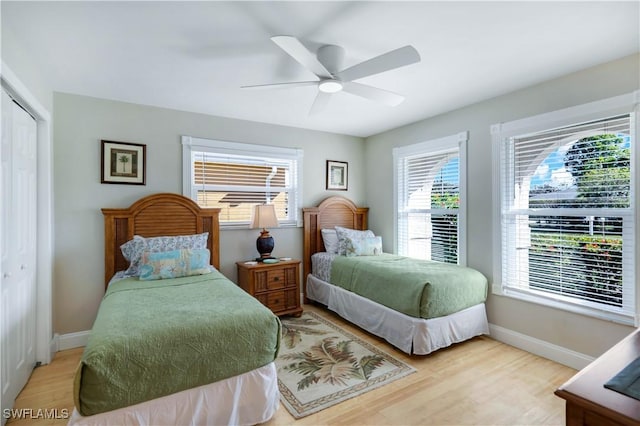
(559, 303)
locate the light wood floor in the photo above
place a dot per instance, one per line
(478, 382)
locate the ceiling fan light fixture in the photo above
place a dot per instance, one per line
(326, 65)
(330, 86)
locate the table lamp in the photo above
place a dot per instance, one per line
(264, 216)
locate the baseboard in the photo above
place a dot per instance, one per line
(72, 340)
(538, 347)
(541, 348)
(53, 345)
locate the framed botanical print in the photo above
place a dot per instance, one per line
(337, 175)
(123, 162)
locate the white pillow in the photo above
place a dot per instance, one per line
(330, 239)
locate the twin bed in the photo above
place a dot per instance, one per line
(193, 348)
(417, 306)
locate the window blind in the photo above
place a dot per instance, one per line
(428, 200)
(567, 221)
(236, 177)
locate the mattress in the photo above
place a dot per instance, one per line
(418, 288)
(412, 335)
(156, 338)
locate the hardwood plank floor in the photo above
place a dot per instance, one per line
(478, 382)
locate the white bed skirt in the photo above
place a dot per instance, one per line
(409, 334)
(246, 399)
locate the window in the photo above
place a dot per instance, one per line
(235, 177)
(430, 197)
(566, 215)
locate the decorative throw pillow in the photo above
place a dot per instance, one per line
(369, 246)
(330, 240)
(132, 250)
(174, 264)
(353, 234)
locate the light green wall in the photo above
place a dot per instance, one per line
(25, 67)
(80, 124)
(571, 331)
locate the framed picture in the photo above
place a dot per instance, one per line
(123, 162)
(337, 175)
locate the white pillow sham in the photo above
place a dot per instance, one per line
(330, 240)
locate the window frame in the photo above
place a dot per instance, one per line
(457, 142)
(192, 144)
(623, 104)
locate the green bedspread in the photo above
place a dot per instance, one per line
(419, 288)
(155, 338)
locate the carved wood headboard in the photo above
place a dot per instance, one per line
(333, 211)
(153, 216)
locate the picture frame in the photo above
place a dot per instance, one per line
(123, 163)
(337, 175)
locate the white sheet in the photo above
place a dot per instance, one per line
(246, 399)
(409, 334)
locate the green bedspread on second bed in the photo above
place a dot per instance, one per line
(419, 288)
(155, 338)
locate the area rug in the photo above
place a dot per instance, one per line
(321, 364)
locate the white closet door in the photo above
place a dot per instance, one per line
(18, 248)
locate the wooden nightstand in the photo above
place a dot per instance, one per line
(276, 285)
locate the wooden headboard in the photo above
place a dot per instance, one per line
(153, 216)
(333, 211)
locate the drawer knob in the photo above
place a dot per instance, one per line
(276, 279)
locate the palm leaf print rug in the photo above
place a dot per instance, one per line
(320, 365)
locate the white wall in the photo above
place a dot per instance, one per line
(80, 124)
(578, 333)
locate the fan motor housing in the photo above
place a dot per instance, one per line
(331, 56)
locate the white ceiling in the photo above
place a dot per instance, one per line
(194, 56)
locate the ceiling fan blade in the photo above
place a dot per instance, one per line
(281, 85)
(297, 51)
(373, 93)
(320, 103)
(387, 61)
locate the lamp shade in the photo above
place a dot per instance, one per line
(264, 216)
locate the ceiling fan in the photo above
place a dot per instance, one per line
(326, 64)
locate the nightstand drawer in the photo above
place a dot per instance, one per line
(275, 279)
(276, 300)
(269, 280)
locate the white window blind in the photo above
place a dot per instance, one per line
(235, 177)
(429, 193)
(567, 221)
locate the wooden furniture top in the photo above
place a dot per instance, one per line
(262, 265)
(153, 216)
(587, 390)
(333, 211)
